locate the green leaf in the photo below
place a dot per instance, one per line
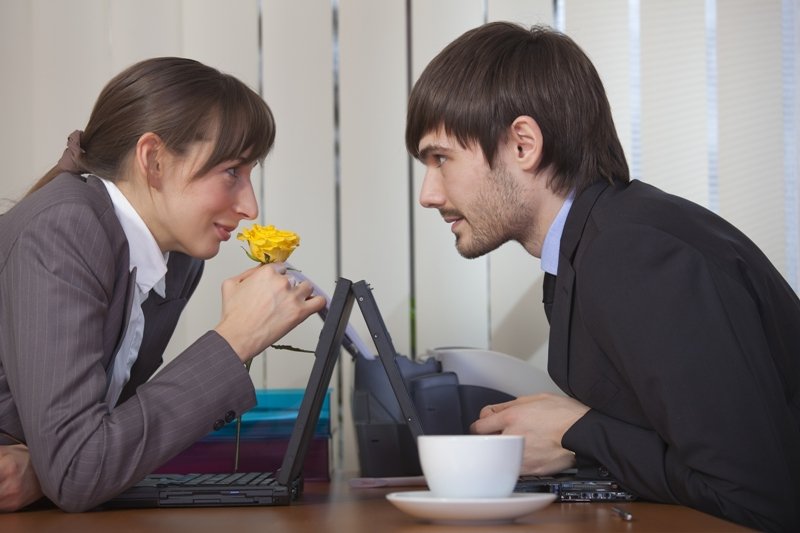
(250, 255)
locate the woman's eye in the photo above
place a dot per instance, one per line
(233, 172)
(439, 159)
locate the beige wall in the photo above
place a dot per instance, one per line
(55, 57)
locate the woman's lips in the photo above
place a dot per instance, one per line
(224, 232)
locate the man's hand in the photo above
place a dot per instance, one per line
(542, 419)
(18, 483)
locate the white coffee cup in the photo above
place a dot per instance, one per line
(471, 466)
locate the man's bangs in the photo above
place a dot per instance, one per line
(463, 119)
(441, 99)
(429, 110)
(421, 120)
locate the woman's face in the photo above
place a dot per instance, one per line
(195, 214)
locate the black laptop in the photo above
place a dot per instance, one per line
(587, 483)
(256, 488)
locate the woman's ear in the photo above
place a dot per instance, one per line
(526, 140)
(148, 158)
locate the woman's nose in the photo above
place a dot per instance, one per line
(246, 203)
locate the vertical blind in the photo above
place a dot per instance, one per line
(704, 94)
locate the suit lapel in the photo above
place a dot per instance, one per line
(561, 319)
(161, 318)
(125, 319)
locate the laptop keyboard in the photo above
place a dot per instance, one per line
(252, 479)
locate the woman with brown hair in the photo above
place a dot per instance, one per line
(97, 262)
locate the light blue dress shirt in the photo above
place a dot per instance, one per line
(552, 241)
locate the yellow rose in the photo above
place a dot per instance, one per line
(269, 244)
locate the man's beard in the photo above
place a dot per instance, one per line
(482, 242)
(499, 217)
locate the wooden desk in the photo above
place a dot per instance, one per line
(335, 507)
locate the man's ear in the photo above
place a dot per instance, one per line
(525, 138)
(149, 158)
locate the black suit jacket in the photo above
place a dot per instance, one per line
(684, 340)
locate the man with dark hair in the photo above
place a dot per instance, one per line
(675, 339)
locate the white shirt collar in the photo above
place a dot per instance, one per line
(552, 241)
(145, 255)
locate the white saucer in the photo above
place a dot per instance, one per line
(423, 504)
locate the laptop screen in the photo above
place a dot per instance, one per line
(326, 355)
(387, 354)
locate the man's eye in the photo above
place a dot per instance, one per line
(233, 172)
(439, 160)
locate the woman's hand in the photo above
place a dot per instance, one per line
(260, 306)
(19, 485)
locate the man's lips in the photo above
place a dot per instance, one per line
(453, 220)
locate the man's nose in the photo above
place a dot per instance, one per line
(432, 193)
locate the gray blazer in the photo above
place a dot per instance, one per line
(65, 296)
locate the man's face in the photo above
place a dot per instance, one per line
(484, 207)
